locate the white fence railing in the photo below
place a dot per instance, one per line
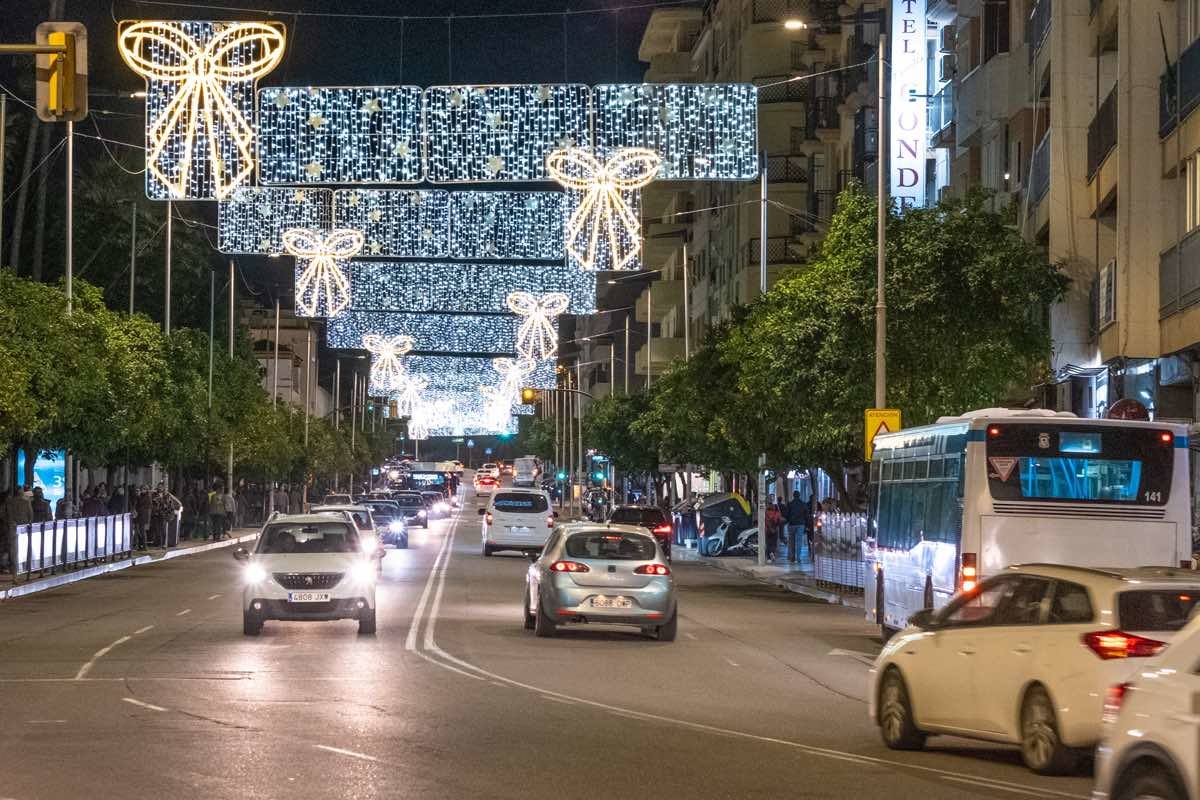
(837, 550)
(47, 546)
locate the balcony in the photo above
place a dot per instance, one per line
(1184, 98)
(822, 203)
(1179, 277)
(662, 351)
(780, 250)
(1102, 133)
(659, 298)
(823, 116)
(794, 92)
(787, 169)
(941, 114)
(982, 98)
(866, 138)
(1039, 173)
(1037, 27)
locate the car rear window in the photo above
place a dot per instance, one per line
(648, 517)
(409, 501)
(612, 546)
(323, 537)
(1156, 610)
(520, 503)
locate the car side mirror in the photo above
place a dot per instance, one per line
(240, 554)
(482, 511)
(925, 619)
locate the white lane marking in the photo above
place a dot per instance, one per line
(45, 721)
(410, 642)
(435, 609)
(185, 611)
(823, 752)
(991, 784)
(730, 662)
(691, 636)
(150, 706)
(857, 655)
(340, 751)
(214, 597)
(101, 653)
(558, 700)
(142, 630)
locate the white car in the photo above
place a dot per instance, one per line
(363, 518)
(1026, 657)
(1152, 722)
(489, 469)
(517, 519)
(308, 567)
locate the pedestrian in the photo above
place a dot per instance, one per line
(216, 513)
(281, 500)
(143, 517)
(92, 505)
(41, 506)
(230, 504)
(295, 499)
(17, 511)
(774, 522)
(64, 508)
(797, 514)
(116, 503)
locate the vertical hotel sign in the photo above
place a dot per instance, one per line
(907, 135)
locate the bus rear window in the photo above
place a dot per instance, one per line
(1114, 481)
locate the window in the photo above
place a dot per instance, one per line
(1155, 611)
(520, 503)
(979, 607)
(611, 546)
(1049, 478)
(1106, 294)
(1071, 605)
(325, 537)
(1024, 605)
(1193, 20)
(995, 28)
(646, 517)
(1191, 176)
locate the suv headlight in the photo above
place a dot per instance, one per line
(396, 526)
(254, 574)
(421, 513)
(362, 572)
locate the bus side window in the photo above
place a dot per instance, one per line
(933, 511)
(935, 467)
(901, 513)
(916, 523)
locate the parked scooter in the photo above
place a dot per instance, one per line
(723, 541)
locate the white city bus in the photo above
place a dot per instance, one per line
(955, 502)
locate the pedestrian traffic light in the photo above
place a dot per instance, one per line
(530, 395)
(562, 476)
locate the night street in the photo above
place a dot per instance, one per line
(143, 679)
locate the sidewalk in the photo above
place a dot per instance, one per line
(10, 589)
(795, 577)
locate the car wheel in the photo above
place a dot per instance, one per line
(1149, 782)
(251, 623)
(530, 622)
(897, 725)
(666, 633)
(543, 626)
(1041, 747)
(366, 622)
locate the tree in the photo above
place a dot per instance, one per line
(607, 428)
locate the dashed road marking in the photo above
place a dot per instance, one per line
(150, 706)
(142, 630)
(214, 597)
(45, 721)
(340, 751)
(731, 663)
(99, 654)
(185, 611)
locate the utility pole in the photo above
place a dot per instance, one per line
(627, 355)
(337, 409)
(275, 361)
(583, 468)
(212, 314)
(307, 385)
(881, 235)
(649, 331)
(762, 288)
(3, 127)
(70, 243)
(132, 252)
(687, 317)
(167, 302)
(229, 461)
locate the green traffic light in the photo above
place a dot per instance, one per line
(562, 476)
(598, 476)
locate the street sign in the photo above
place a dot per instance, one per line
(62, 90)
(877, 421)
(470, 442)
(487, 451)
(458, 440)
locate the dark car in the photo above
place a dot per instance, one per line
(652, 519)
(389, 521)
(414, 508)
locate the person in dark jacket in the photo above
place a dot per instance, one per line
(116, 503)
(145, 507)
(41, 506)
(92, 505)
(797, 518)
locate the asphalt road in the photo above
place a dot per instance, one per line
(140, 684)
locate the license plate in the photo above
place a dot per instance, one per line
(521, 529)
(308, 597)
(611, 602)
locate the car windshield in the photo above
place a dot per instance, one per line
(520, 503)
(611, 545)
(1161, 610)
(639, 516)
(310, 537)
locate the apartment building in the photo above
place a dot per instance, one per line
(295, 374)
(1068, 111)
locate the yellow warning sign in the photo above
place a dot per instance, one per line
(877, 421)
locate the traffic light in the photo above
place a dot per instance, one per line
(599, 476)
(62, 76)
(530, 395)
(562, 476)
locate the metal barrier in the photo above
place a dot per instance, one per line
(48, 546)
(837, 551)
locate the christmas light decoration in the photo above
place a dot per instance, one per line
(603, 213)
(627, 241)
(467, 373)
(366, 134)
(701, 131)
(397, 223)
(507, 225)
(387, 374)
(408, 393)
(469, 287)
(252, 220)
(321, 287)
(537, 337)
(501, 133)
(199, 100)
(491, 334)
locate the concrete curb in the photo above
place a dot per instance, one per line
(801, 585)
(54, 581)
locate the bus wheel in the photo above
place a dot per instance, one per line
(886, 633)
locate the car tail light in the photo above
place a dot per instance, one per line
(569, 566)
(550, 522)
(1113, 700)
(662, 529)
(488, 518)
(968, 572)
(652, 569)
(1118, 644)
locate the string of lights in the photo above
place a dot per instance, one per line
(494, 334)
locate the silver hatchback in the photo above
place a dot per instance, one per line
(610, 574)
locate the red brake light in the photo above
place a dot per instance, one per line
(652, 569)
(1118, 644)
(569, 566)
(550, 522)
(664, 528)
(1113, 700)
(1166, 437)
(488, 518)
(994, 430)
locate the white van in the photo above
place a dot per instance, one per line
(517, 519)
(526, 471)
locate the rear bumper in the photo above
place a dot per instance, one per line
(339, 608)
(653, 604)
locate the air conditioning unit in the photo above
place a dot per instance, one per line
(947, 39)
(947, 66)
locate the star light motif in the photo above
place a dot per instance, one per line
(322, 287)
(312, 169)
(408, 395)
(402, 149)
(298, 196)
(427, 234)
(316, 121)
(456, 98)
(565, 142)
(494, 120)
(543, 93)
(354, 200)
(282, 100)
(371, 106)
(376, 247)
(495, 165)
(536, 337)
(375, 215)
(603, 211)
(264, 209)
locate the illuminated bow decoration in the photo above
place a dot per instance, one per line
(408, 395)
(536, 337)
(205, 75)
(418, 427)
(603, 214)
(512, 371)
(387, 373)
(322, 284)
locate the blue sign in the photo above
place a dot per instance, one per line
(487, 451)
(50, 473)
(470, 442)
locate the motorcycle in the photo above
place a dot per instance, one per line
(723, 542)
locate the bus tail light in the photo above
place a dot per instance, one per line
(968, 572)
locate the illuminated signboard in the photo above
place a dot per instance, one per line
(907, 134)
